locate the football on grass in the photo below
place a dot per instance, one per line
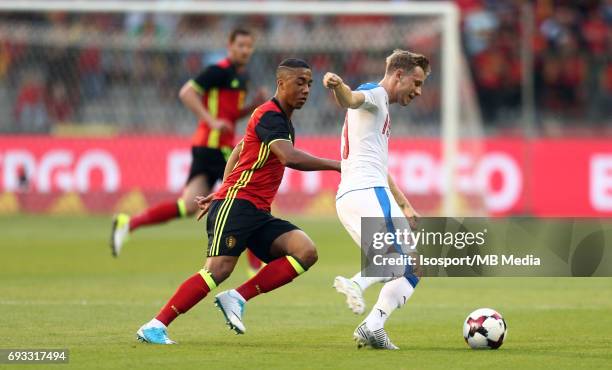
(485, 328)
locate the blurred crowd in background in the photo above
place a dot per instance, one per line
(572, 51)
(124, 70)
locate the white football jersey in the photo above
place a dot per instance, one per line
(365, 142)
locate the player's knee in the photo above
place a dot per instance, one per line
(308, 256)
(219, 274)
(186, 206)
(190, 207)
(220, 269)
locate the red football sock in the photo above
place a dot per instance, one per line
(254, 262)
(273, 275)
(192, 291)
(155, 215)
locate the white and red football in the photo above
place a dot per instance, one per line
(485, 328)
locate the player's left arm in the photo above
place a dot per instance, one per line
(232, 161)
(300, 160)
(411, 214)
(273, 130)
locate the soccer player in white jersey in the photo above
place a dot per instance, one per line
(367, 190)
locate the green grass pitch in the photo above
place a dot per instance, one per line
(60, 288)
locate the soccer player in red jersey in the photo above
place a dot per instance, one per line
(239, 213)
(216, 97)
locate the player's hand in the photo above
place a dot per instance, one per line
(221, 124)
(412, 216)
(261, 96)
(332, 80)
(204, 204)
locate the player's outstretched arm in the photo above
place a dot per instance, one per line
(410, 213)
(342, 92)
(300, 160)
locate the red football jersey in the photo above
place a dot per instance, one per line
(258, 173)
(223, 91)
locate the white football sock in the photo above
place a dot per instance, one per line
(393, 294)
(364, 282)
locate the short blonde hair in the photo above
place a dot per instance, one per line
(405, 60)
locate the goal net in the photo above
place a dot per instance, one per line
(110, 71)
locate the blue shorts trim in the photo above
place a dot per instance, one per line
(385, 204)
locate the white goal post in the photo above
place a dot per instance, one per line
(446, 10)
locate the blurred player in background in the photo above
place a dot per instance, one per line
(240, 211)
(216, 97)
(367, 190)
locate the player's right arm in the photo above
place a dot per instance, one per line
(191, 96)
(345, 97)
(300, 160)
